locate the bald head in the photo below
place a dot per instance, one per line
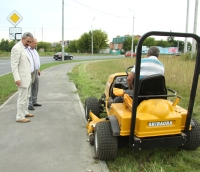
(33, 44)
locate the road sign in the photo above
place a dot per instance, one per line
(15, 33)
(15, 18)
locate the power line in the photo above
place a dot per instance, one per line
(47, 28)
(95, 10)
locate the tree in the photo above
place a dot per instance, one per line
(45, 45)
(128, 43)
(72, 47)
(84, 43)
(172, 41)
(4, 45)
(58, 48)
(100, 40)
(149, 42)
(11, 44)
(162, 43)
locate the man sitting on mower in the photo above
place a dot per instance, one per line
(149, 66)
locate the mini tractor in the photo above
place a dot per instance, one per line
(144, 116)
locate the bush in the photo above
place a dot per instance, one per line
(187, 56)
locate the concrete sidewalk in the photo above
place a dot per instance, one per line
(56, 139)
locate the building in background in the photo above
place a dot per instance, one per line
(116, 46)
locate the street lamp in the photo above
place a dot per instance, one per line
(92, 35)
(132, 44)
(62, 30)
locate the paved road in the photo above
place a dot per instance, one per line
(55, 139)
(5, 64)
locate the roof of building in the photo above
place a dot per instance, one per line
(121, 39)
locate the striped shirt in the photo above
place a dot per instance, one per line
(150, 66)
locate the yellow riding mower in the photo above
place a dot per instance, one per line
(142, 118)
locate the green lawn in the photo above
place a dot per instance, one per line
(90, 80)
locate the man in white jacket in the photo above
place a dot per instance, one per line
(22, 68)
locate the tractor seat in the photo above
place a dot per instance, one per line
(152, 85)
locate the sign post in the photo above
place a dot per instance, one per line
(15, 32)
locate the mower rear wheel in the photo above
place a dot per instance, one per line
(92, 103)
(105, 144)
(193, 137)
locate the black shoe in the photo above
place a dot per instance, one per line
(31, 108)
(36, 104)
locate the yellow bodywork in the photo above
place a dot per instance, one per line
(92, 122)
(155, 117)
(110, 81)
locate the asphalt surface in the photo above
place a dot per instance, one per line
(6, 68)
(56, 138)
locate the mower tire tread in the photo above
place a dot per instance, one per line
(92, 103)
(106, 144)
(193, 137)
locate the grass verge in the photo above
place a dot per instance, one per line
(7, 84)
(90, 80)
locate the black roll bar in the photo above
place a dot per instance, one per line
(137, 74)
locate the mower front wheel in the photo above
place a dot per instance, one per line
(105, 144)
(92, 103)
(91, 139)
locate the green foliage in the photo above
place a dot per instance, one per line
(7, 84)
(6, 46)
(128, 43)
(181, 45)
(7, 87)
(90, 80)
(72, 47)
(149, 42)
(11, 44)
(84, 43)
(58, 48)
(188, 57)
(46, 45)
(100, 40)
(162, 43)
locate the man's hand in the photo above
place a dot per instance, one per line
(130, 80)
(18, 83)
(39, 72)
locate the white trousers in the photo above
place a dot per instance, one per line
(22, 102)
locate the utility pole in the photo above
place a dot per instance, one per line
(195, 28)
(42, 34)
(186, 28)
(92, 36)
(132, 44)
(62, 30)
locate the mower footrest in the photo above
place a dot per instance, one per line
(159, 142)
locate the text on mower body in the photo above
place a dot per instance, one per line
(163, 123)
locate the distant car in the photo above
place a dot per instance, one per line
(66, 56)
(128, 54)
(177, 53)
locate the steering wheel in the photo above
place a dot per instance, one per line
(130, 67)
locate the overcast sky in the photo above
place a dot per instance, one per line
(112, 16)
